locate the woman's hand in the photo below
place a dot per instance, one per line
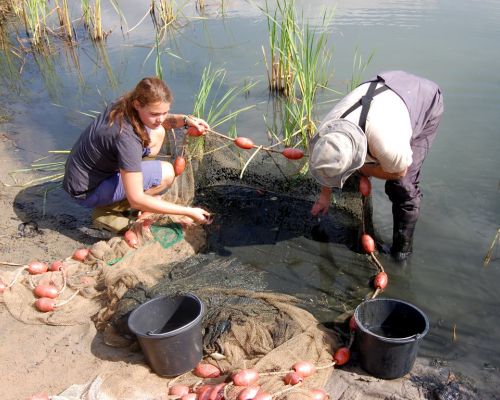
(199, 216)
(198, 123)
(322, 205)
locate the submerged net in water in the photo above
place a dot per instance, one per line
(224, 163)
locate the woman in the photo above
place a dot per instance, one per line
(106, 164)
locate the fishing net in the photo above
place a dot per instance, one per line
(257, 196)
(267, 169)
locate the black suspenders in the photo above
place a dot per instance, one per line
(365, 102)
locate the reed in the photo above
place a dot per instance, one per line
(212, 104)
(9, 58)
(199, 5)
(97, 31)
(64, 18)
(281, 26)
(34, 13)
(311, 58)
(163, 13)
(158, 65)
(87, 14)
(92, 19)
(48, 172)
(358, 69)
(300, 63)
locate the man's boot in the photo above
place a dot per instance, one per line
(402, 240)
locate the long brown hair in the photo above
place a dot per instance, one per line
(149, 90)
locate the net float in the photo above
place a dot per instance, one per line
(205, 370)
(131, 238)
(352, 324)
(246, 377)
(249, 393)
(179, 165)
(293, 378)
(365, 186)
(178, 390)
(304, 368)
(243, 143)
(318, 394)
(204, 391)
(56, 266)
(80, 254)
(293, 153)
(3, 286)
(217, 392)
(49, 291)
(40, 396)
(263, 396)
(45, 304)
(193, 131)
(37, 267)
(367, 243)
(381, 280)
(342, 355)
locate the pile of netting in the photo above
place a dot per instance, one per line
(246, 324)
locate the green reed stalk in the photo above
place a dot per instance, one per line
(311, 56)
(98, 35)
(162, 13)
(213, 106)
(86, 14)
(281, 27)
(35, 18)
(358, 69)
(301, 59)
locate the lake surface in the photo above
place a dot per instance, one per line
(454, 43)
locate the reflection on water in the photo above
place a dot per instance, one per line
(453, 43)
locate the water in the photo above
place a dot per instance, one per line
(454, 43)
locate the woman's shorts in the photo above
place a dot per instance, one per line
(111, 190)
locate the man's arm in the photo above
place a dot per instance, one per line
(377, 171)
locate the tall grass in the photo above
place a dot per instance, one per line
(64, 18)
(281, 26)
(35, 13)
(163, 13)
(92, 19)
(311, 59)
(300, 63)
(213, 103)
(358, 69)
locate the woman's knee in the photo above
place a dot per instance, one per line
(167, 174)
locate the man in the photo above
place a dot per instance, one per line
(383, 128)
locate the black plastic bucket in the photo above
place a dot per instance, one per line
(169, 333)
(388, 336)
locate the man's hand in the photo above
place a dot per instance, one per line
(322, 205)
